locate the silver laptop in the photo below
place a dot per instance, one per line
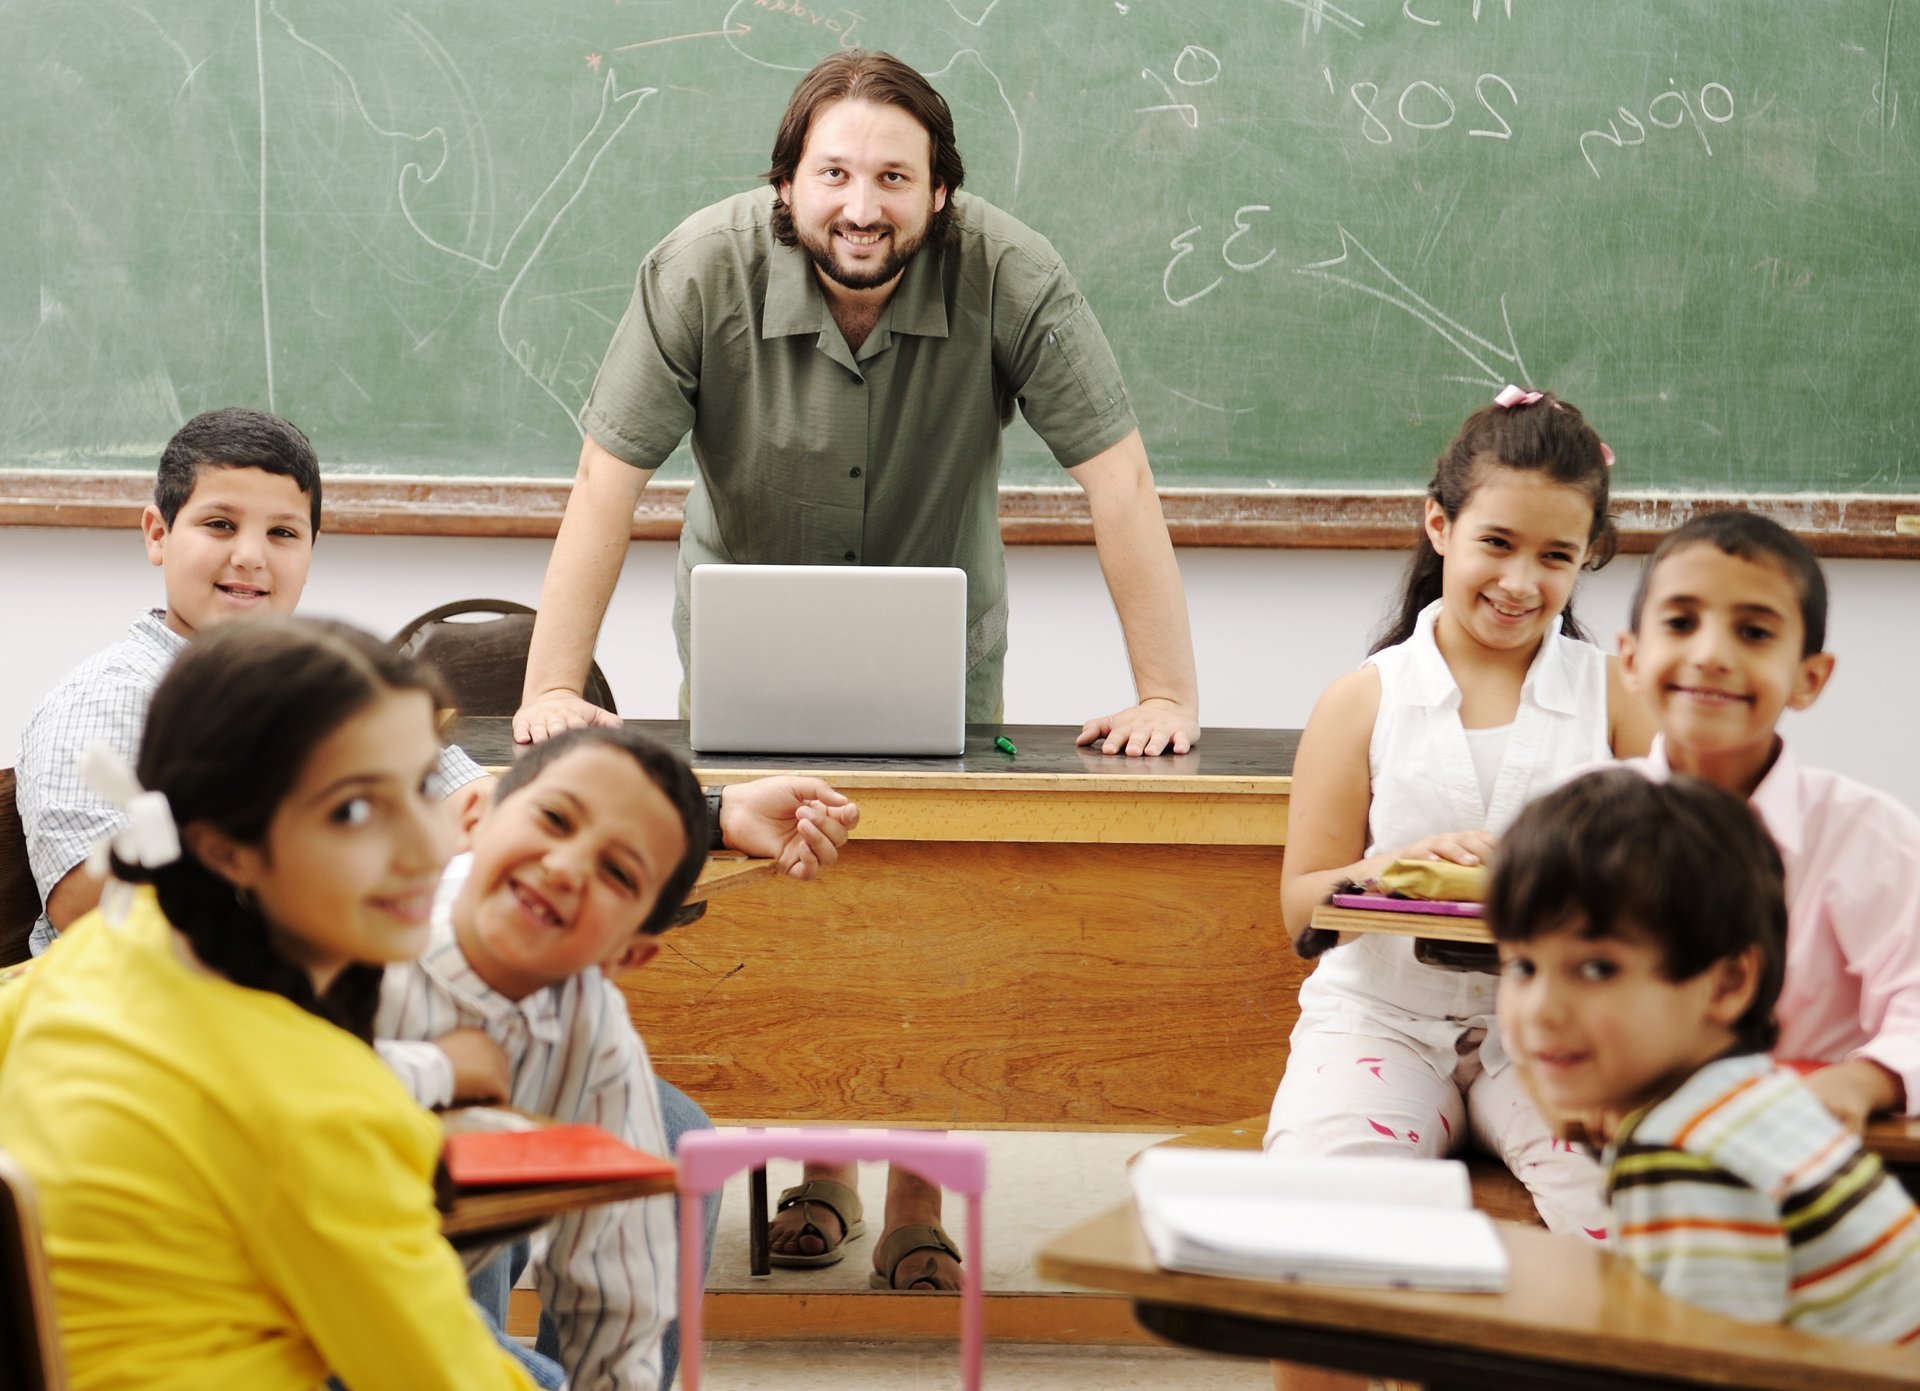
(851, 659)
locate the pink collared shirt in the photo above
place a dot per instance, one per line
(1852, 856)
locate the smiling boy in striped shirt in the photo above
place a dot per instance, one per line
(1642, 931)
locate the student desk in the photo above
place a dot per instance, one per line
(1057, 937)
(1574, 1318)
(506, 1214)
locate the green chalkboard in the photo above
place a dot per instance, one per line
(1317, 233)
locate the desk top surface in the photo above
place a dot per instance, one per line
(1568, 1302)
(1224, 759)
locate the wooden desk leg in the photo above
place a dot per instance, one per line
(759, 1251)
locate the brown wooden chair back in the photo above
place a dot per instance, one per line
(29, 1337)
(483, 659)
(19, 899)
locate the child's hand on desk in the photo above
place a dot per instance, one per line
(800, 823)
(479, 1065)
(1853, 1091)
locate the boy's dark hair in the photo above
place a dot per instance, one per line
(880, 78)
(1680, 861)
(1551, 437)
(235, 437)
(1760, 539)
(230, 729)
(664, 769)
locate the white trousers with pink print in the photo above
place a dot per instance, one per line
(1412, 1086)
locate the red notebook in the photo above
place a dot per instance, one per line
(550, 1154)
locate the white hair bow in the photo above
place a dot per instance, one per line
(149, 838)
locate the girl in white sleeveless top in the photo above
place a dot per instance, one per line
(1483, 695)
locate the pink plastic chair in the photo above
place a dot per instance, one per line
(707, 1157)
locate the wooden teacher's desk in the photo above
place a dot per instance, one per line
(1056, 937)
(1574, 1318)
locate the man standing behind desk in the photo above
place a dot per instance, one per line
(846, 350)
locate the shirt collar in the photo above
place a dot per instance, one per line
(1779, 800)
(151, 628)
(447, 965)
(796, 305)
(1549, 682)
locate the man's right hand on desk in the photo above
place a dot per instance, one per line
(554, 713)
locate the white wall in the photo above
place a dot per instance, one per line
(1271, 628)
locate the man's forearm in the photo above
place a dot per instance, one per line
(582, 571)
(1136, 557)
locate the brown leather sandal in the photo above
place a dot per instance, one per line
(836, 1197)
(901, 1243)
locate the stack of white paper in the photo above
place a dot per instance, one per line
(1348, 1221)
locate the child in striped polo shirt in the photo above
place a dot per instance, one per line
(1642, 931)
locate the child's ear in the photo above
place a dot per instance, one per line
(1735, 980)
(1815, 672)
(153, 530)
(1436, 526)
(1629, 655)
(238, 864)
(639, 950)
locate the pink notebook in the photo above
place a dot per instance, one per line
(550, 1154)
(1382, 903)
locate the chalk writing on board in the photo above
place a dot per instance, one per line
(1182, 247)
(562, 191)
(1315, 13)
(731, 32)
(1193, 67)
(1406, 9)
(1669, 110)
(193, 68)
(1425, 105)
(1343, 270)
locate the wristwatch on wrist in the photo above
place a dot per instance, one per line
(715, 841)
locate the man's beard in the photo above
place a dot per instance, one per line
(898, 254)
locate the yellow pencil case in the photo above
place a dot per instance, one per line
(1436, 879)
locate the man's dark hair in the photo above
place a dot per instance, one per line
(880, 78)
(1680, 861)
(664, 769)
(235, 437)
(1760, 539)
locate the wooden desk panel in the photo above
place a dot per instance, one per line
(1052, 938)
(1569, 1305)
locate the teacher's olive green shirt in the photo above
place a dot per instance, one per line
(812, 454)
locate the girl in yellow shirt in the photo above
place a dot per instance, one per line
(235, 1190)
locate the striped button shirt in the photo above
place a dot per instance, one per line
(607, 1275)
(1741, 1193)
(106, 697)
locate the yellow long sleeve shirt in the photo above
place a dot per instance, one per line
(233, 1191)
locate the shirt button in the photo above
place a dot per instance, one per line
(854, 472)
(851, 557)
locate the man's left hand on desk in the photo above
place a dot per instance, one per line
(1154, 725)
(798, 822)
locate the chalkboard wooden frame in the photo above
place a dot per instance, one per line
(1871, 527)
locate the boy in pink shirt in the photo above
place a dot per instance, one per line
(1728, 625)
